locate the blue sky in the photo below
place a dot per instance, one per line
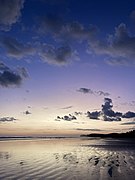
(61, 62)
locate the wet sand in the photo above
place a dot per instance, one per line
(71, 159)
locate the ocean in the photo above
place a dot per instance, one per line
(67, 159)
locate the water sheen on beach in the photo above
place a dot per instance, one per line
(67, 159)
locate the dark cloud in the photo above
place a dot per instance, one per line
(57, 56)
(128, 123)
(93, 115)
(61, 55)
(132, 16)
(102, 93)
(50, 24)
(62, 30)
(113, 118)
(107, 114)
(15, 48)
(27, 91)
(81, 129)
(7, 119)
(22, 71)
(85, 91)
(107, 107)
(129, 114)
(67, 118)
(77, 31)
(77, 113)
(90, 91)
(3, 67)
(10, 77)
(10, 11)
(27, 112)
(119, 47)
(67, 107)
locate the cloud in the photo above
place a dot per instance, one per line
(3, 67)
(50, 24)
(62, 55)
(22, 71)
(10, 12)
(77, 31)
(128, 123)
(119, 47)
(67, 107)
(7, 119)
(90, 91)
(85, 91)
(64, 33)
(60, 29)
(15, 48)
(107, 114)
(77, 113)
(102, 93)
(93, 115)
(81, 129)
(67, 118)
(10, 77)
(118, 61)
(27, 112)
(132, 16)
(113, 118)
(129, 114)
(107, 107)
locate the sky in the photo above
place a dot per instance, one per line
(67, 67)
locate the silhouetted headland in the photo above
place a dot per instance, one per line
(130, 134)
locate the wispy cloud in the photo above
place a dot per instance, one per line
(10, 11)
(128, 123)
(119, 47)
(60, 56)
(90, 91)
(67, 107)
(81, 129)
(63, 30)
(16, 49)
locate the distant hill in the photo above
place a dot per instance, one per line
(130, 134)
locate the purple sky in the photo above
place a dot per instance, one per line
(61, 59)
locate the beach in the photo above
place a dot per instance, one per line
(67, 158)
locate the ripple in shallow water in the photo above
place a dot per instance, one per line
(67, 159)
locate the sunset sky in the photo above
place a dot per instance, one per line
(67, 67)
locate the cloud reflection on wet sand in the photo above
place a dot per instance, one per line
(67, 159)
